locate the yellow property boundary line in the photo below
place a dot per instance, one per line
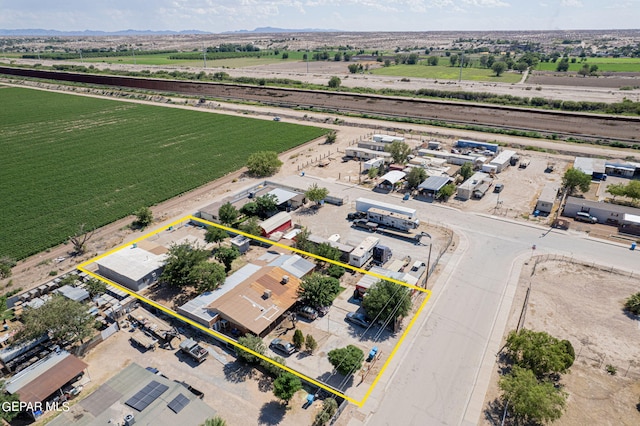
(219, 336)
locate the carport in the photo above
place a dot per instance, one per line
(433, 184)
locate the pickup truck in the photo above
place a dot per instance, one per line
(194, 350)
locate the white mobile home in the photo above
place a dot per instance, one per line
(361, 254)
(502, 160)
(547, 198)
(364, 204)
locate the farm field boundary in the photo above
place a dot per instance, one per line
(72, 160)
(427, 295)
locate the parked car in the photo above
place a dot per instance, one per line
(308, 312)
(322, 310)
(358, 319)
(282, 346)
(276, 118)
(498, 188)
(356, 215)
(586, 217)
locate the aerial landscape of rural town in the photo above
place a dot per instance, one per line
(318, 227)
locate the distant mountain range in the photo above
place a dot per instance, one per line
(91, 33)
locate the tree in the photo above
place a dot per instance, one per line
(490, 61)
(573, 179)
(466, 171)
(539, 352)
(373, 172)
(447, 191)
(316, 194)
(215, 235)
(329, 408)
(632, 304)
(251, 226)
(387, 301)
(6, 314)
(453, 60)
(298, 339)
(180, 260)
(632, 190)
(432, 61)
(593, 69)
(267, 204)
(6, 264)
(499, 67)
(318, 290)
(285, 386)
(327, 251)
(584, 71)
(79, 240)
(346, 360)
(250, 209)
(228, 214)
(252, 342)
(530, 400)
(616, 189)
(522, 66)
(144, 217)
(215, 421)
(335, 271)
(227, 255)
(6, 400)
(207, 276)
(263, 163)
(310, 344)
(271, 367)
(354, 68)
(65, 320)
(416, 176)
(95, 287)
(331, 137)
(563, 65)
(334, 82)
(399, 151)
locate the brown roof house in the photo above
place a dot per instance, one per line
(254, 299)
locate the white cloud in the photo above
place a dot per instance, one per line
(487, 3)
(571, 3)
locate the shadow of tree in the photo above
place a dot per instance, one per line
(272, 413)
(493, 412)
(265, 383)
(236, 372)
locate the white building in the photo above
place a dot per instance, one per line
(132, 267)
(501, 161)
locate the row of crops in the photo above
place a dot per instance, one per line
(70, 160)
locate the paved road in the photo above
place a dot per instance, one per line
(441, 373)
(436, 379)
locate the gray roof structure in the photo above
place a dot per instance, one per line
(282, 195)
(589, 165)
(175, 405)
(74, 293)
(434, 183)
(133, 262)
(393, 176)
(293, 264)
(368, 280)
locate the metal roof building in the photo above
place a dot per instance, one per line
(393, 177)
(137, 396)
(74, 293)
(433, 184)
(132, 267)
(590, 166)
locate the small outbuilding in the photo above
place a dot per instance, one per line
(133, 267)
(547, 198)
(502, 160)
(277, 223)
(74, 293)
(433, 184)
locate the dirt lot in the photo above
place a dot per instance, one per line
(236, 393)
(583, 304)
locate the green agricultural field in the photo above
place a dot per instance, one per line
(68, 160)
(441, 72)
(604, 65)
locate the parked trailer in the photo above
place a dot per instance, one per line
(143, 340)
(194, 350)
(363, 253)
(395, 220)
(364, 204)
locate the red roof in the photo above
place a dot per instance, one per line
(51, 380)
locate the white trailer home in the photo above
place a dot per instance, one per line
(392, 219)
(364, 204)
(361, 254)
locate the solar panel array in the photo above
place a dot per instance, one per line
(146, 395)
(178, 403)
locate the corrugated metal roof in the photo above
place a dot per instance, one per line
(275, 221)
(393, 176)
(293, 264)
(434, 183)
(73, 293)
(282, 195)
(589, 165)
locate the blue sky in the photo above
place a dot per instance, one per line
(346, 15)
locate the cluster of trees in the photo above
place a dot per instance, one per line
(309, 342)
(263, 163)
(346, 360)
(6, 263)
(189, 266)
(317, 290)
(631, 190)
(144, 218)
(387, 302)
(399, 151)
(531, 388)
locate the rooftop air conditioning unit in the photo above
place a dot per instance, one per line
(129, 420)
(267, 294)
(285, 279)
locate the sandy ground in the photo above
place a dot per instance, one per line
(583, 304)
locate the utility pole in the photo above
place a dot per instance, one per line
(133, 52)
(426, 280)
(204, 55)
(461, 61)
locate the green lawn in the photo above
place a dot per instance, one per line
(604, 65)
(441, 72)
(68, 160)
